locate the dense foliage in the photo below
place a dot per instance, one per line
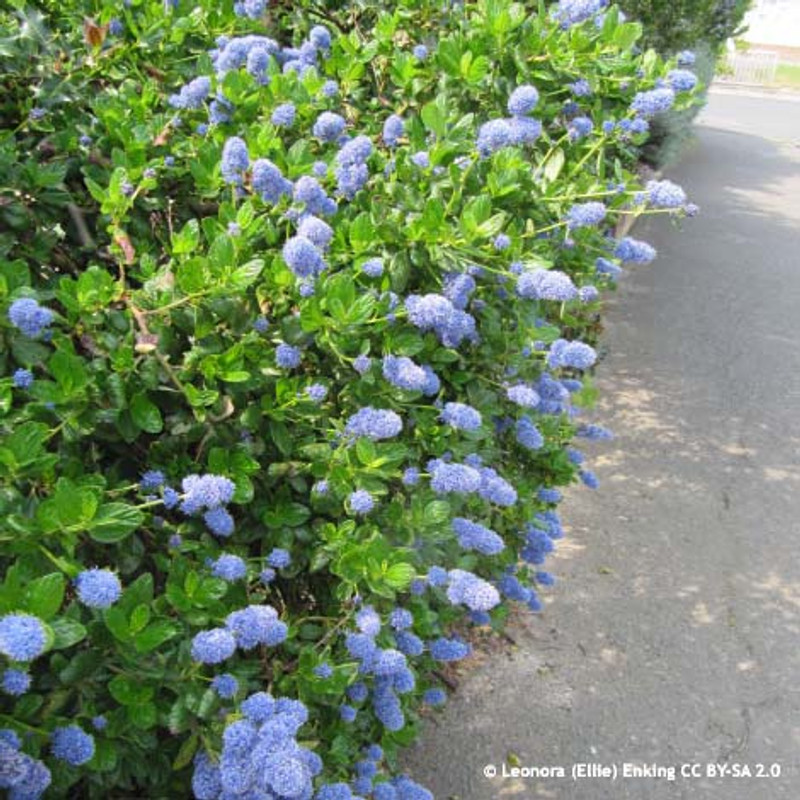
(674, 25)
(294, 321)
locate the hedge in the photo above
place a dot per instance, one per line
(297, 326)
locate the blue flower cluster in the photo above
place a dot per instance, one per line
(461, 416)
(665, 194)
(374, 423)
(437, 313)
(25, 777)
(655, 101)
(583, 215)
(465, 588)
(98, 588)
(22, 637)
(519, 129)
(573, 12)
(546, 284)
(473, 536)
(403, 373)
(29, 317)
(570, 354)
(260, 755)
(73, 745)
(634, 251)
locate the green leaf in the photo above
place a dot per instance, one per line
(45, 595)
(117, 623)
(434, 115)
(365, 450)
(554, 165)
(187, 239)
(247, 274)
(399, 576)
(155, 635)
(436, 512)
(129, 691)
(146, 414)
(115, 522)
(143, 716)
(67, 633)
(289, 514)
(186, 752)
(69, 372)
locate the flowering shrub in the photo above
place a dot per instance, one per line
(293, 423)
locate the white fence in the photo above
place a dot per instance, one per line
(754, 66)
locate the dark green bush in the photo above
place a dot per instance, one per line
(154, 321)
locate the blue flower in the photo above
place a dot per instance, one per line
(589, 478)
(444, 649)
(283, 116)
(152, 479)
(686, 58)
(573, 12)
(594, 433)
(267, 575)
(368, 621)
(434, 697)
(496, 489)
(318, 232)
(579, 127)
(98, 588)
(411, 476)
(588, 294)
(580, 88)
(420, 52)
(214, 646)
(302, 257)
(225, 685)
(635, 251)
(15, 682)
(458, 478)
(205, 492)
(192, 95)
(656, 101)
(235, 160)
(287, 356)
(546, 284)
(268, 181)
(73, 745)
(374, 423)
(355, 151)
(334, 791)
(421, 159)
(665, 194)
(502, 242)
(22, 378)
(328, 126)
(29, 317)
(682, 80)
(358, 691)
(361, 502)
(570, 354)
(320, 37)
(549, 495)
(373, 267)
(528, 435)
(523, 395)
(402, 372)
(256, 624)
(523, 100)
(585, 214)
(524, 130)
(307, 190)
(99, 723)
(279, 558)
(461, 416)
(323, 670)
(493, 136)
(472, 536)
(219, 521)
(400, 619)
(229, 567)
(393, 129)
(316, 392)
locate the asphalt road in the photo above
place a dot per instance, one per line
(673, 634)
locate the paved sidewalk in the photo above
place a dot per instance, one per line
(673, 635)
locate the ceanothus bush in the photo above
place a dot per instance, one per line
(291, 370)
